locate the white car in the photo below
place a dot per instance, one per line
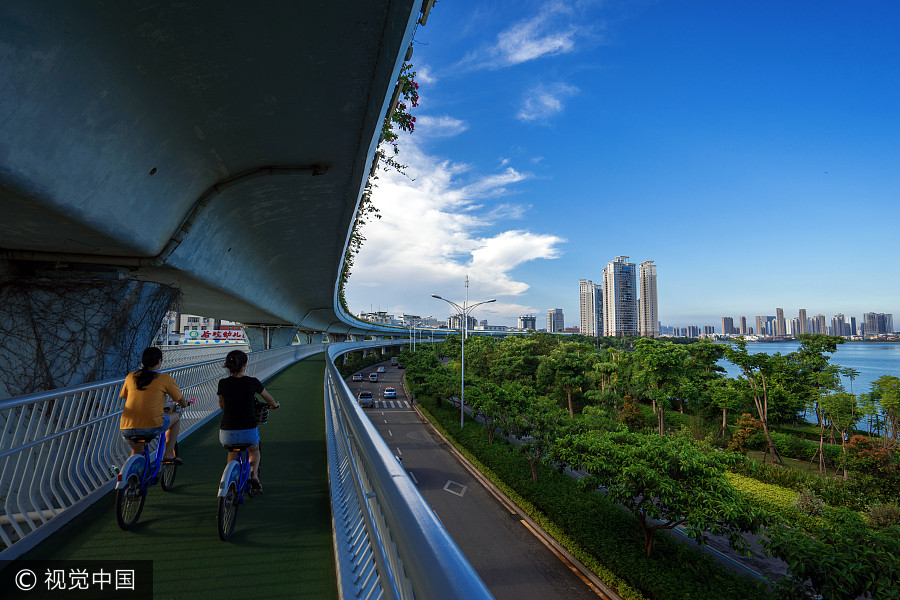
(366, 400)
(390, 392)
(357, 377)
(373, 377)
(380, 369)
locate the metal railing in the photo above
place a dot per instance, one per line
(188, 354)
(390, 544)
(59, 450)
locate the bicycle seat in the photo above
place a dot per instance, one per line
(140, 439)
(236, 447)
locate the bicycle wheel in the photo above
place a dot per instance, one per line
(167, 474)
(227, 516)
(129, 502)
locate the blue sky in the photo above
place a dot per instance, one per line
(750, 149)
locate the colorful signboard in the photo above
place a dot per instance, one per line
(214, 336)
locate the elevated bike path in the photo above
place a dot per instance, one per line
(282, 544)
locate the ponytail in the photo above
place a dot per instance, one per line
(235, 361)
(149, 359)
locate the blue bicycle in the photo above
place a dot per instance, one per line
(138, 474)
(234, 484)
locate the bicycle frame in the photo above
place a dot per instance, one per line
(237, 471)
(136, 465)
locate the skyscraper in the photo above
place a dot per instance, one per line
(804, 324)
(743, 326)
(780, 327)
(591, 297)
(528, 322)
(837, 324)
(555, 320)
(648, 315)
(620, 314)
(727, 325)
(760, 325)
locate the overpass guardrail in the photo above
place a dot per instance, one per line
(60, 449)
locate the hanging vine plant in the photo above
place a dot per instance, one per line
(398, 119)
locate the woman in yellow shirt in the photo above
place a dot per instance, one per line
(145, 394)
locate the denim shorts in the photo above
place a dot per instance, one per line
(228, 437)
(148, 432)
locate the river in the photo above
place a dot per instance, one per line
(872, 360)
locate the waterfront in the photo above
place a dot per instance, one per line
(872, 360)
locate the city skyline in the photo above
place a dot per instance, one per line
(711, 136)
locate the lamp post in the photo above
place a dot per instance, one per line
(464, 311)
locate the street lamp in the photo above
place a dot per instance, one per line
(464, 311)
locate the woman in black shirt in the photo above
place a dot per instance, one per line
(237, 399)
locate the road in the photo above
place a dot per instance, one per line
(512, 561)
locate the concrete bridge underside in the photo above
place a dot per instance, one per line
(219, 149)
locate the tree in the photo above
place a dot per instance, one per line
(756, 367)
(819, 377)
(886, 391)
(664, 481)
(843, 410)
(567, 368)
(660, 368)
(703, 369)
(540, 425)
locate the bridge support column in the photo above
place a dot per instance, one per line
(62, 329)
(266, 337)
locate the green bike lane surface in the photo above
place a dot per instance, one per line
(282, 544)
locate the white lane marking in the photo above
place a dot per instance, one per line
(390, 433)
(455, 488)
(413, 477)
(398, 452)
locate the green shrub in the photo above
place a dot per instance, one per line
(809, 504)
(885, 515)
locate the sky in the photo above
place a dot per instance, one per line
(751, 149)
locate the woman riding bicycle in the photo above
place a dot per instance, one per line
(237, 399)
(144, 414)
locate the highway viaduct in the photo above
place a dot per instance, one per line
(204, 155)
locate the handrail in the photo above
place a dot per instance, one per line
(372, 491)
(60, 449)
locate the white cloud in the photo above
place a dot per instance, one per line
(542, 102)
(442, 126)
(424, 75)
(530, 39)
(439, 227)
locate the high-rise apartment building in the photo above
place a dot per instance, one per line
(795, 326)
(819, 324)
(760, 325)
(742, 328)
(620, 314)
(852, 327)
(555, 320)
(727, 325)
(709, 329)
(804, 324)
(837, 324)
(648, 309)
(528, 322)
(591, 302)
(780, 326)
(693, 331)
